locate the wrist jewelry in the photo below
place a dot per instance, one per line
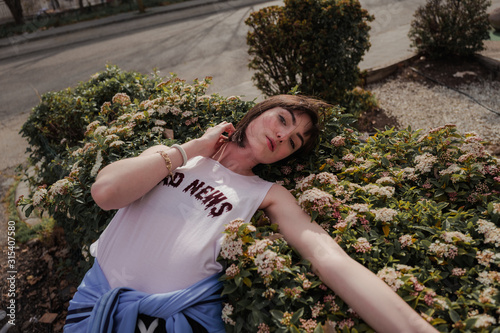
(168, 163)
(183, 153)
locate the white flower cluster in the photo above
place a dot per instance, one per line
(318, 198)
(385, 214)
(451, 170)
(97, 165)
(489, 277)
(392, 277)
(455, 236)
(409, 173)
(362, 208)
(385, 181)
(486, 257)
(121, 98)
(484, 321)
(362, 245)
(496, 208)
(338, 141)
(227, 311)
(305, 182)
(382, 191)
(267, 262)
(443, 249)
(39, 195)
(406, 240)
(327, 178)
(425, 162)
(231, 248)
(60, 187)
(490, 231)
(232, 270)
(259, 247)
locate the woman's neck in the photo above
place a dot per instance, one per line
(235, 158)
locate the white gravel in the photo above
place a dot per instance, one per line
(421, 107)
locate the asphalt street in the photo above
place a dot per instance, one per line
(207, 40)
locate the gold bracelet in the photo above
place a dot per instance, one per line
(168, 162)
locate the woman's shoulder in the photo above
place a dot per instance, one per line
(277, 195)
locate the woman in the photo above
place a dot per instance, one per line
(158, 257)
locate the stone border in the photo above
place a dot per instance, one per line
(490, 63)
(377, 74)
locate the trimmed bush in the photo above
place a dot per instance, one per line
(59, 121)
(311, 45)
(444, 28)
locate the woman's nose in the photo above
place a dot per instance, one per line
(282, 136)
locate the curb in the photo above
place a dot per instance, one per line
(490, 63)
(381, 72)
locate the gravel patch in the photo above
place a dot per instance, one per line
(424, 107)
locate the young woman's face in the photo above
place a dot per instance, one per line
(276, 134)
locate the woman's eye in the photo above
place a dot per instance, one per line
(283, 120)
(292, 144)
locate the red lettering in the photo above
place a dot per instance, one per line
(214, 198)
(214, 212)
(205, 190)
(194, 186)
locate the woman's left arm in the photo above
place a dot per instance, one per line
(367, 294)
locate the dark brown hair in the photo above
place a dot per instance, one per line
(293, 103)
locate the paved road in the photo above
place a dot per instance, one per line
(205, 41)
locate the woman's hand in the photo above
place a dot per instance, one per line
(214, 138)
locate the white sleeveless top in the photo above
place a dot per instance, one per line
(171, 238)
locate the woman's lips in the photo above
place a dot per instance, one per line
(271, 144)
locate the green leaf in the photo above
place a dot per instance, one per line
(297, 315)
(277, 314)
(454, 315)
(229, 289)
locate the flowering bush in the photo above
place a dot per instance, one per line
(59, 121)
(123, 128)
(421, 211)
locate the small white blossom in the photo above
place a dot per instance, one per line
(97, 165)
(425, 162)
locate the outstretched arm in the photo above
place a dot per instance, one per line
(125, 181)
(368, 295)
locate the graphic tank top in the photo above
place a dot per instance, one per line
(171, 238)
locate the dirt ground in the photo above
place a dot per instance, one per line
(43, 285)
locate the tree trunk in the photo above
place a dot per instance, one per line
(16, 9)
(140, 5)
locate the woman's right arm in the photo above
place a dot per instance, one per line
(122, 182)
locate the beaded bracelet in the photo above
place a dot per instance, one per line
(168, 162)
(183, 153)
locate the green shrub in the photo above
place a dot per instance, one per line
(59, 121)
(122, 128)
(421, 211)
(444, 28)
(310, 44)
